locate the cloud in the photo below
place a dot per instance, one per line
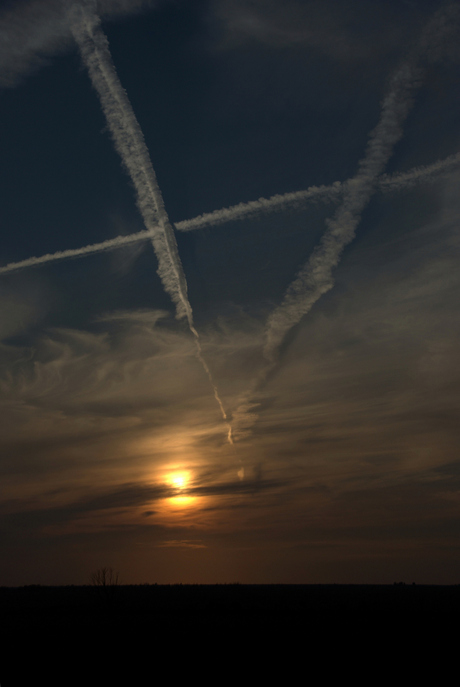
(372, 378)
(33, 31)
(75, 367)
(100, 506)
(73, 399)
(21, 307)
(342, 31)
(358, 424)
(183, 544)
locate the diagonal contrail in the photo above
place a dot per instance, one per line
(315, 277)
(255, 208)
(130, 144)
(386, 184)
(389, 183)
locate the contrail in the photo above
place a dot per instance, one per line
(257, 207)
(315, 277)
(232, 213)
(418, 175)
(110, 244)
(386, 184)
(130, 144)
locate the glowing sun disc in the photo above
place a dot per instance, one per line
(179, 480)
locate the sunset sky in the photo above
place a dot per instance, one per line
(327, 321)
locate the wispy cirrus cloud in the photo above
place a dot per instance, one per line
(33, 31)
(348, 33)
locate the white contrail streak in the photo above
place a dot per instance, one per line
(418, 175)
(130, 144)
(262, 205)
(386, 184)
(110, 244)
(315, 277)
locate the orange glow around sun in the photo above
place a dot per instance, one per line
(180, 481)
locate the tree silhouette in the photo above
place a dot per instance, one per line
(105, 577)
(106, 582)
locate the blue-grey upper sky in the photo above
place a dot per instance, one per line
(319, 330)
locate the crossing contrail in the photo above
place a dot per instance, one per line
(386, 184)
(130, 144)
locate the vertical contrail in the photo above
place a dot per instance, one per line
(130, 144)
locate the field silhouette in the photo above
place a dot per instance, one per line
(145, 633)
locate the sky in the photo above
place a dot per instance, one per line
(250, 373)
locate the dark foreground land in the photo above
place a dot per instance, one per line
(148, 634)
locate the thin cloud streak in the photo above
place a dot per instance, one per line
(32, 31)
(129, 143)
(386, 184)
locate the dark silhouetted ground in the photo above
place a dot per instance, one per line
(149, 634)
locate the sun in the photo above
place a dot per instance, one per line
(179, 480)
